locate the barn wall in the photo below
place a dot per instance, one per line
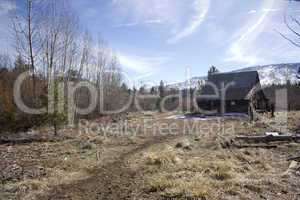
(237, 106)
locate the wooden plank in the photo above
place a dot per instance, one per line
(269, 138)
(295, 158)
(256, 146)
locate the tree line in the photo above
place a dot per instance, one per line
(50, 44)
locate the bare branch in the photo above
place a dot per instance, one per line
(288, 39)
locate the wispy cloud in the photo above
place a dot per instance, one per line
(154, 21)
(141, 65)
(201, 10)
(242, 51)
(252, 11)
(181, 19)
(266, 10)
(270, 10)
(126, 25)
(143, 12)
(147, 22)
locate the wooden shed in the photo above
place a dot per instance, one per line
(235, 92)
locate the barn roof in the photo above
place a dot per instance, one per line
(239, 84)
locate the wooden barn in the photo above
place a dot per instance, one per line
(238, 92)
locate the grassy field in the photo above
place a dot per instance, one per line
(152, 156)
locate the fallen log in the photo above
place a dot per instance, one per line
(294, 158)
(27, 140)
(256, 146)
(269, 138)
(21, 141)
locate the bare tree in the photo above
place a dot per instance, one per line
(86, 55)
(27, 38)
(295, 32)
(295, 42)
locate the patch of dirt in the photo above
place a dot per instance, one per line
(147, 163)
(114, 180)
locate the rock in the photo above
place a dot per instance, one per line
(293, 168)
(176, 160)
(226, 144)
(293, 165)
(85, 145)
(185, 144)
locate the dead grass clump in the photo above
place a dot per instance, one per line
(198, 188)
(162, 159)
(160, 184)
(253, 188)
(242, 157)
(218, 168)
(222, 172)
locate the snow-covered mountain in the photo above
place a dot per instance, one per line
(268, 74)
(194, 82)
(277, 73)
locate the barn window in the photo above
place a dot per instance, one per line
(233, 103)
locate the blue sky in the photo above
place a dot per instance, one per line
(158, 39)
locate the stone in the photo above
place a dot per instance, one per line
(185, 144)
(293, 166)
(85, 145)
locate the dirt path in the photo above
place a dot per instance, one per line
(111, 181)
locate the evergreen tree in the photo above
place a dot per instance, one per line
(152, 90)
(161, 89)
(20, 64)
(161, 93)
(212, 70)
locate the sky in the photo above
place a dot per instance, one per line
(160, 39)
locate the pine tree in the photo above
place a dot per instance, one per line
(212, 70)
(161, 93)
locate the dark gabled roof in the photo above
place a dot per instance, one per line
(241, 84)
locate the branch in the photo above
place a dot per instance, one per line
(288, 39)
(290, 28)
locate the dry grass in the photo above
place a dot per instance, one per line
(205, 171)
(207, 174)
(165, 156)
(196, 187)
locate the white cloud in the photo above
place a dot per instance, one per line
(154, 21)
(142, 11)
(252, 11)
(141, 65)
(201, 10)
(126, 25)
(270, 10)
(242, 50)
(147, 22)
(180, 18)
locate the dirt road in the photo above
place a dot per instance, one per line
(114, 180)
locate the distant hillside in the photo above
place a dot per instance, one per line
(276, 73)
(268, 74)
(194, 82)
